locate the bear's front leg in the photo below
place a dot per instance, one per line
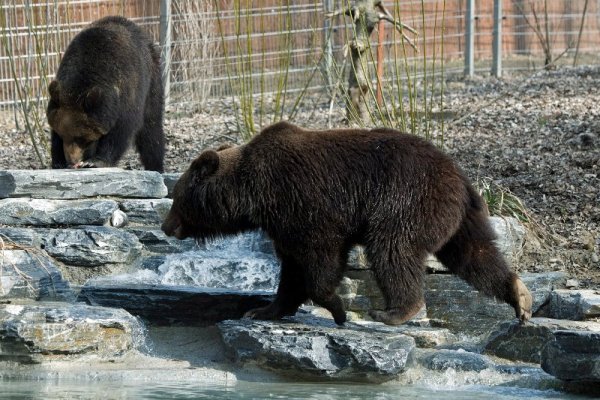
(57, 152)
(291, 293)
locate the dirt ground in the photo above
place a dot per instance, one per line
(537, 137)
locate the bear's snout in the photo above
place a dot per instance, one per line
(172, 226)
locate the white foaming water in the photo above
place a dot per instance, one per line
(243, 262)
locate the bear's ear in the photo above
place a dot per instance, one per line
(54, 90)
(93, 99)
(224, 146)
(206, 164)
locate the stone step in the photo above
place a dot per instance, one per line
(33, 333)
(316, 349)
(81, 183)
(179, 305)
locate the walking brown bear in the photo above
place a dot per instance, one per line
(318, 193)
(107, 93)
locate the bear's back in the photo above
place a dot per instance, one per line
(108, 47)
(354, 152)
(357, 167)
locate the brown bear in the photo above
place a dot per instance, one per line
(107, 93)
(318, 193)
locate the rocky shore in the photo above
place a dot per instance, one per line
(89, 285)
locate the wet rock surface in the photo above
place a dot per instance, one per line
(32, 333)
(317, 349)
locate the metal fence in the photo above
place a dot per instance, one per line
(209, 45)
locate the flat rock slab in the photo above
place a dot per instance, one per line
(31, 274)
(573, 356)
(525, 342)
(155, 241)
(146, 211)
(37, 212)
(316, 349)
(179, 305)
(91, 246)
(81, 183)
(32, 333)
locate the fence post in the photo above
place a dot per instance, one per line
(470, 38)
(328, 56)
(165, 45)
(497, 40)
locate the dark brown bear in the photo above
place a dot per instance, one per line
(107, 94)
(317, 194)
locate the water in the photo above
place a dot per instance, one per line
(253, 390)
(243, 262)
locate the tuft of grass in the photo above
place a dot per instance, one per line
(502, 202)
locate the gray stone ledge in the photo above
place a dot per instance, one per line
(81, 183)
(39, 212)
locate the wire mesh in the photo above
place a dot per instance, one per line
(216, 42)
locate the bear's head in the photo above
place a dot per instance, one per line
(206, 201)
(80, 119)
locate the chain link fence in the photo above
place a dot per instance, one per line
(210, 45)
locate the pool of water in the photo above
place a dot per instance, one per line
(22, 389)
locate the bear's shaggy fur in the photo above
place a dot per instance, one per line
(317, 194)
(107, 93)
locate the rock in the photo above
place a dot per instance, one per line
(155, 241)
(573, 356)
(458, 360)
(81, 183)
(62, 331)
(514, 341)
(572, 284)
(170, 180)
(168, 305)
(36, 212)
(146, 212)
(425, 336)
(316, 349)
(20, 237)
(118, 219)
(575, 305)
(464, 309)
(91, 246)
(511, 235)
(31, 274)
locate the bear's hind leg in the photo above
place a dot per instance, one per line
(150, 140)
(472, 255)
(399, 275)
(150, 143)
(291, 293)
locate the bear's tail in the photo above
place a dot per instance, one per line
(472, 255)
